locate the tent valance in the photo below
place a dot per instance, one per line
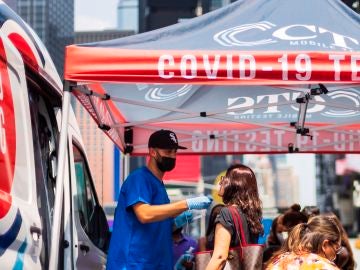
(211, 67)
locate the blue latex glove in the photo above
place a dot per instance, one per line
(181, 262)
(201, 202)
(183, 218)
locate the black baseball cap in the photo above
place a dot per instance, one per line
(164, 139)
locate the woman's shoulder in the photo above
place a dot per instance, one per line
(226, 213)
(227, 210)
(224, 209)
(289, 259)
(313, 259)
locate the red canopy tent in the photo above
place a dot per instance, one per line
(247, 78)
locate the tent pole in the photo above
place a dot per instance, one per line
(122, 168)
(55, 233)
(126, 165)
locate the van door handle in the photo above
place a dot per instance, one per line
(35, 232)
(84, 248)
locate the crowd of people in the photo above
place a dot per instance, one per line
(298, 239)
(148, 228)
(311, 239)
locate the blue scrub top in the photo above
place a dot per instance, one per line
(135, 245)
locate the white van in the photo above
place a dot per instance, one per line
(30, 116)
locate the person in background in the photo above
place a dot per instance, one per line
(282, 225)
(144, 216)
(310, 211)
(275, 239)
(291, 218)
(345, 257)
(313, 245)
(184, 248)
(206, 242)
(238, 188)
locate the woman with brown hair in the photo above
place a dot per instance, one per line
(345, 258)
(238, 188)
(312, 245)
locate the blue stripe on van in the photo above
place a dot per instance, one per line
(19, 264)
(9, 237)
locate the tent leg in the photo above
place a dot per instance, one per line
(55, 233)
(126, 166)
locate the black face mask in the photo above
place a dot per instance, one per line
(165, 164)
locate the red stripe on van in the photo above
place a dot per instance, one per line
(7, 135)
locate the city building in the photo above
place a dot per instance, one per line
(93, 36)
(103, 156)
(53, 21)
(265, 171)
(288, 186)
(11, 4)
(215, 4)
(128, 15)
(155, 14)
(347, 185)
(325, 182)
(100, 153)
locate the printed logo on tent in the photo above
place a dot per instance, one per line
(158, 93)
(295, 34)
(350, 98)
(352, 95)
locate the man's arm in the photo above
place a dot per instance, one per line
(149, 213)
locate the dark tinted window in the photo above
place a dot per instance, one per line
(91, 215)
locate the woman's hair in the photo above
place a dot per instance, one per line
(293, 217)
(309, 237)
(310, 211)
(344, 260)
(213, 214)
(240, 188)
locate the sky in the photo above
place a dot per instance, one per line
(95, 14)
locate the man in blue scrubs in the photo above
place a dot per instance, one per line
(144, 216)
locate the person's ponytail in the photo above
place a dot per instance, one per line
(295, 236)
(291, 243)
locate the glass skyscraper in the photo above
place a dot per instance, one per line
(128, 15)
(53, 21)
(11, 4)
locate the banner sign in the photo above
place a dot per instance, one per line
(213, 67)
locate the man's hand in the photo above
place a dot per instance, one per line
(186, 261)
(183, 218)
(202, 202)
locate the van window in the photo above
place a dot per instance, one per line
(45, 136)
(85, 197)
(91, 215)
